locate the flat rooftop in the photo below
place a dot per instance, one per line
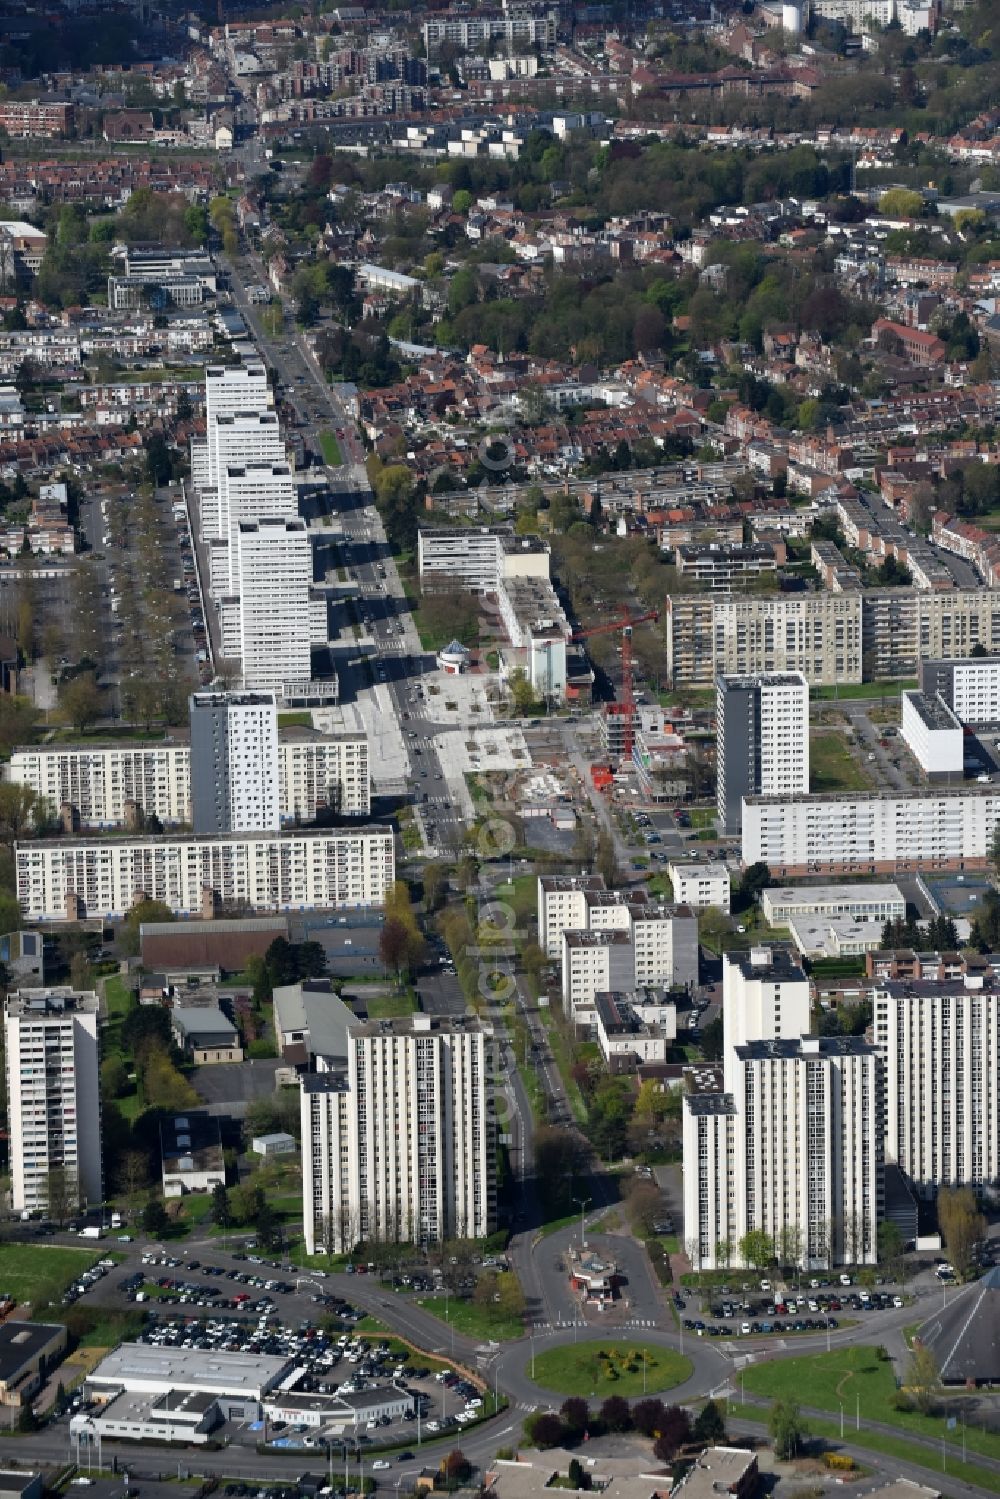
(708, 871)
(844, 798)
(807, 1046)
(607, 936)
(934, 712)
(139, 1365)
(38, 1004)
(770, 963)
(832, 895)
(564, 883)
(22, 1342)
(761, 679)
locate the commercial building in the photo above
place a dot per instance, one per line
(701, 885)
(205, 1035)
(275, 575)
(834, 936)
(882, 903)
(941, 1044)
(28, 1351)
(478, 558)
(970, 687)
(397, 1137)
(763, 741)
(53, 1097)
(934, 735)
(68, 878)
(120, 785)
(191, 1154)
(235, 784)
(238, 1382)
(874, 832)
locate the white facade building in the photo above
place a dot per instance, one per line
(872, 832)
(780, 904)
(67, 878)
(235, 784)
(397, 1139)
(562, 907)
(478, 557)
(701, 885)
(275, 575)
(248, 492)
(53, 1096)
(316, 773)
(934, 736)
(970, 687)
(766, 998)
(634, 1028)
(233, 438)
(594, 963)
(941, 1045)
(763, 740)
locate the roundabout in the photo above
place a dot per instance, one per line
(611, 1366)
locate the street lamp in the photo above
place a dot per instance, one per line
(583, 1203)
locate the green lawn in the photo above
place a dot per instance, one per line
(118, 997)
(389, 1006)
(39, 1273)
(330, 448)
(703, 818)
(521, 895)
(864, 689)
(829, 1380)
(899, 1447)
(295, 720)
(832, 767)
(474, 1321)
(610, 1368)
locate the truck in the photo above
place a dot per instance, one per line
(116, 1219)
(92, 1231)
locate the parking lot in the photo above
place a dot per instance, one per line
(775, 1312)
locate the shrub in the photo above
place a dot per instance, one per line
(838, 1462)
(545, 1429)
(615, 1414)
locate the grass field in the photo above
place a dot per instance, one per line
(330, 448)
(832, 767)
(474, 1321)
(38, 1273)
(863, 689)
(852, 1375)
(389, 1006)
(610, 1368)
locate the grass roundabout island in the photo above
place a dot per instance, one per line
(610, 1368)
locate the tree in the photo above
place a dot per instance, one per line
(962, 1225)
(673, 1432)
(647, 1416)
(221, 1211)
(923, 1377)
(114, 1077)
(900, 203)
(457, 1468)
(575, 1414)
(995, 851)
(154, 1218)
(576, 1474)
(890, 1242)
(142, 911)
(80, 701)
(394, 945)
(787, 1428)
(20, 805)
(522, 694)
(545, 1429)
(756, 1248)
(615, 1414)
(133, 1172)
(709, 1425)
(62, 1193)
(606, 860)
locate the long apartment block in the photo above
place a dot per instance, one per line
(830, 638)
(67, 879)
(107, 785)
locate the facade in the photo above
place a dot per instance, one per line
(934, 736)
(34, 119)
(478, 557)
(719, 565)
(562, 906)
(248, 492)
(830, 637)
(787, 1138)
(28, 1351)
(66, 878)
(763, 740)
(872, 832)
(594, 963)
(233, 438)
(397, 1138)
(275, 575)
(701, 885)
(941, 1045)
(808, 1148)
(971, 687)
(103, 783)
(205, 1035)
(235, 784)
(109, 785)
(53, 1096)
(781, 904)
(634, 1028)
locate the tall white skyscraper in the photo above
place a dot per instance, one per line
(397, 1140)
(53, 1096)
(275, 574)
(251, 491)
(231, 388)
(762, 740)
(235, 776)
(765, 998)
(234, 438)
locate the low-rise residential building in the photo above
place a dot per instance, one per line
(699, 885)
(634, 1028)
(191, 1154)
(205, 1035)
(478, 557)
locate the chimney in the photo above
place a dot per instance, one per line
(133, 815)
(69, 820)
(74, 906)
(209, 903)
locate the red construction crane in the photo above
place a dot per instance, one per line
(625, 706)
